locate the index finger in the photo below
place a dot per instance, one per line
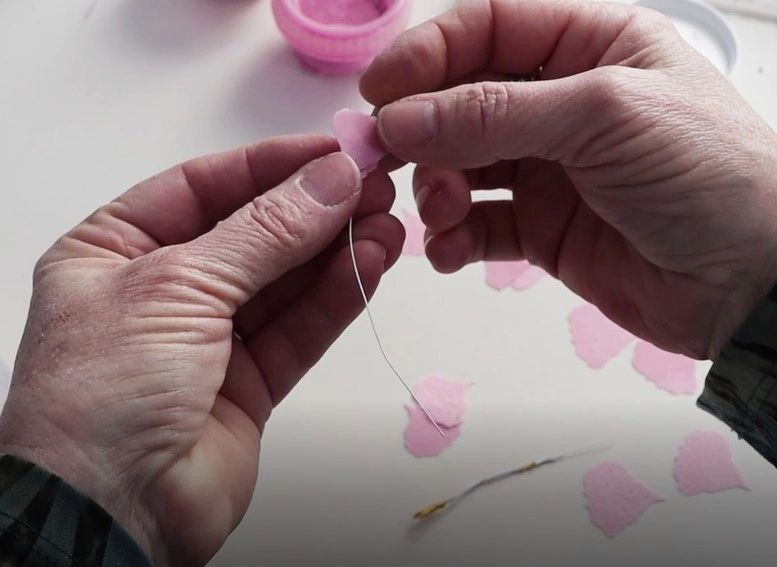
(556, 38)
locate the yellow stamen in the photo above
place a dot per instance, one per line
(528, 468)
(431, 509)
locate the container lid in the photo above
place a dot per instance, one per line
(703, 27)
(341, 31)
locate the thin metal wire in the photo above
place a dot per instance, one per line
(377, 336)
(529, 467)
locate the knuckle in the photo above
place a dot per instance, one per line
(418, 54)
(648, 19)
(277, 221)
(610, 110)
(650, 36)
(609, 90)
(486, 105)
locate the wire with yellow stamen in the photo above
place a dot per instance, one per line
(437, 507)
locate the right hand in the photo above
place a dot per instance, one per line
(639, 176)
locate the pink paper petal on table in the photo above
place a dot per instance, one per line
(704, 465)
(596, 339)
(518, 275)
(414, 237)
(614, 499)
(421, 437)
(671, 372)
(358, 137)
(446, 401)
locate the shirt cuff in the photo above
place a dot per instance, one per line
(741, 387)
(44, 521)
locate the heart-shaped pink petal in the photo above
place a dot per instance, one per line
(358, 137)
(704, 464)
(614, 499)
(596, 339)
(671, 372)
(445, 401)
(518, 275)
(415, 230)
(421, 437)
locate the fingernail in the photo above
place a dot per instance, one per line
(331, 179)
(406, 125)
(384, 255)
(422, 196)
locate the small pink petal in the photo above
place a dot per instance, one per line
(446, 401)
(614, 499)
(415, 230)
(596, 339)
(421, 437)
(518, 275)
(671, 372)
(704, 464)
(500, 275)
(358, 137)
(528, 278)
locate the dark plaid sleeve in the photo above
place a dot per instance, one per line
(44, 522)
(741, 388)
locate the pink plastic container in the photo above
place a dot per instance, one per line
(339, 37)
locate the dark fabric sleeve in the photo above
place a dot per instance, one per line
(46, 523)
(741, 387)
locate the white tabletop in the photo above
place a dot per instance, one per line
(92, 105)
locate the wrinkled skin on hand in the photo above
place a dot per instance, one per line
(637, 174)
(165, 328)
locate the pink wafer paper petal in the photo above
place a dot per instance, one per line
(358, 137)
(704, 465)
(414, 235)
(596, 339)
(518, 275)
(671, 372)
(421, 437)
(614, 499)
(446, 401)
(528, 278)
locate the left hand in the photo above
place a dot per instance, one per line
(160, 338)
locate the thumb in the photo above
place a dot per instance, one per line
(476, 125)
(277, 231)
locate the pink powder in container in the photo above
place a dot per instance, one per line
(340, 37)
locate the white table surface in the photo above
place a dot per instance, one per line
(91, 106)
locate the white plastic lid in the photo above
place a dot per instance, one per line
(703, 27)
